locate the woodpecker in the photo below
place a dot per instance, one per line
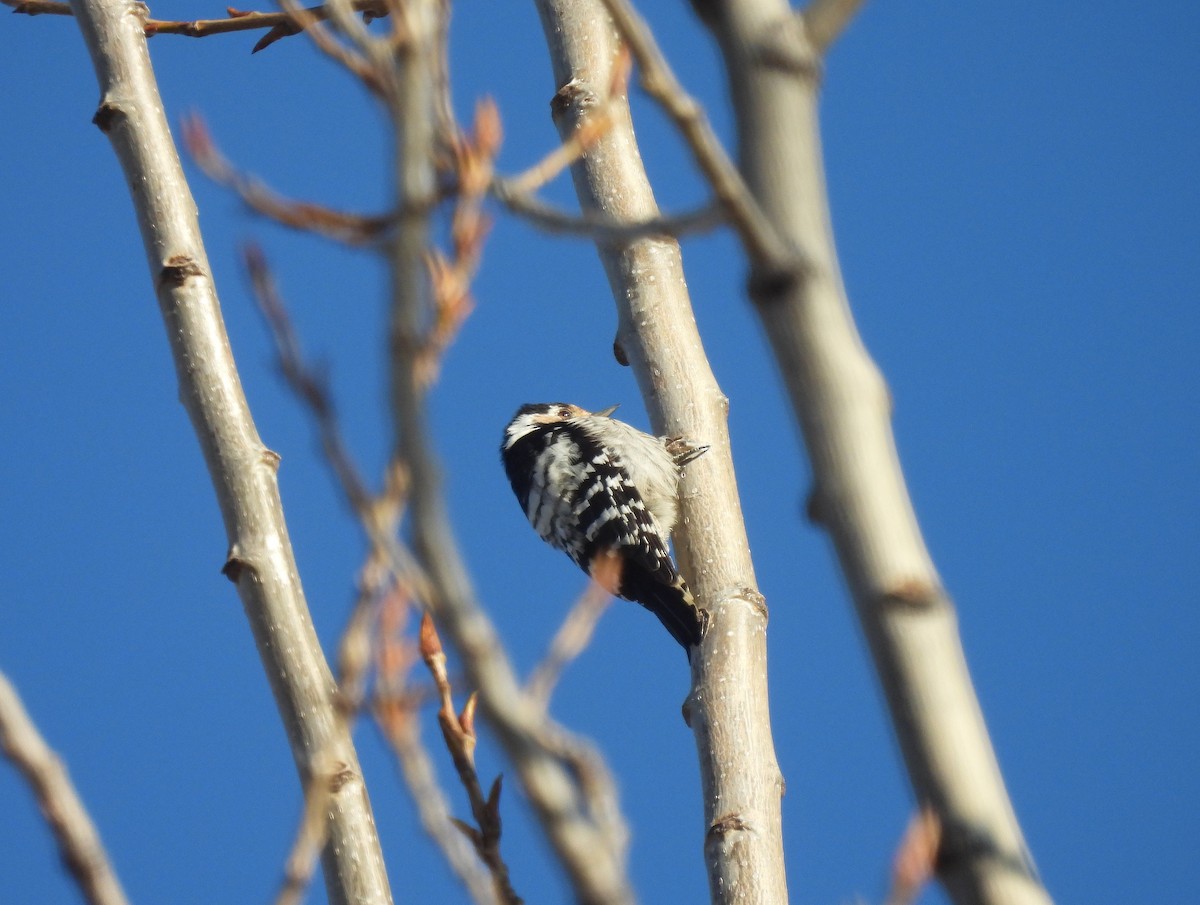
(606, 494)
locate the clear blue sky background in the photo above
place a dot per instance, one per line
(1015, 196)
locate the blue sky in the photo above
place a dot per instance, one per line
(1014, 196)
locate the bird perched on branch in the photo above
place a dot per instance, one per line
(606, 494)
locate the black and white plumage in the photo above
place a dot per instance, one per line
(606, 494)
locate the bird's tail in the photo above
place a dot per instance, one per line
(673, 604)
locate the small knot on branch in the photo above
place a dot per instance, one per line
(177, 270)
(105, 116)
(723, 826)
(235, 564)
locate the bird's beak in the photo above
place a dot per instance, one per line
(608, 411)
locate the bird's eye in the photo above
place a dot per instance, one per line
(564, 412)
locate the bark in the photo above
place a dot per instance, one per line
(843, 408)
(727, 707)
(243, 471)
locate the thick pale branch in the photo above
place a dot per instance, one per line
(260, 559)
(843, 409)
(78, 842)
(727, 707)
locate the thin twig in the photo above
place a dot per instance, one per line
(591, 130)
(341, 14)
(568, 643)
(310, 838)
(308, 386)
(825, 20)
(352, 229)
(472, 162)
(324, 40)
(763, 243)
(395, 707)
(78, 842)
(377, 515)
(600, 227)
(281, 25)
(458, 730)
(386, 566)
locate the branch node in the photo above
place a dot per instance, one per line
(619, 353)
(756, 600)
(576, 95)
(235, 564)
(341, 777)
(729, 823)
(768, 285)
(785, 46)
(177, 270)
(912, 592)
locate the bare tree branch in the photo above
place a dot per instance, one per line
(78, 842)
(566, 782)
(260, 559)
(569, 641)
(843, 408)
(727, 708)
(600, 228)
(386, 568)
(328, 44)
(395, 709)
(353, 229)
(756, 232)
(281, 25)
(458, 730)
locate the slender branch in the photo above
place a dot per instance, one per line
(458, 731)
(472, 166)
(586, 133)
(310, 838)
(281, 25)
(385, 567)
(329, 45)
(762, 241)
(395, 709)
(260, 561)
(569, 642)
(353, 229)
(78, 842)
(39, 7)
(825, 20)
(601, 228)
(727, 707)
(843, 408)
